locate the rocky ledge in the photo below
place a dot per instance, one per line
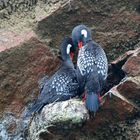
(62, 115)
(118, 117)
(124, 105)
(35, 29)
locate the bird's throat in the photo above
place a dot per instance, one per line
(80, 44)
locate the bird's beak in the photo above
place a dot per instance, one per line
(72, 55)
(80, 44)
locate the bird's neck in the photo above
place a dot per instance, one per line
(86, 41)
(68, 62)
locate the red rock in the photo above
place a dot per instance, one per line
(112, 111)
(124, 57)
(130, 89)
(9, 39)
(21, 68)
(132, 65)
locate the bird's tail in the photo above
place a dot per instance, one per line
(37, 106)
(92, 102)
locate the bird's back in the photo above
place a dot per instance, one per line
(92, 59)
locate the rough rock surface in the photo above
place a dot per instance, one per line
(22, 14)
(132, 67)
(18, 17)
(20, 69)
(125, 112)
(63, 115)
(115, 25)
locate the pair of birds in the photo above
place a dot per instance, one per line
(89, 76)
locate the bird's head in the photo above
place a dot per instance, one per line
(67, 49)
(81, 35)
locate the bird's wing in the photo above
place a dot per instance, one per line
(92, 82)
(68, 83)
(81, 80)
(101, 62)
(91, 57)
(42, 82)
(63, 83)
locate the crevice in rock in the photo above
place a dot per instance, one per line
(117, 30)
(115, 75)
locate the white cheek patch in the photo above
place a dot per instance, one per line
(84, 32)
(68, 48)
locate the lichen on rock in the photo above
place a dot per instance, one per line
(117, 30)
(66, 115)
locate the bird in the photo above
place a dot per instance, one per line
(63, 84)
(92, 66)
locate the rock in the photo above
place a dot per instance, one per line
(10, 39)
(20, 70)
(132, 65)
(22, 67)
(63, 115)
(119, 108)
(130, 88)
(8, 126)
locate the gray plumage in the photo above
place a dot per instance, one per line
(92, 66)
(62, 86)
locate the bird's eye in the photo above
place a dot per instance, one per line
(68, 48)
(84, 33)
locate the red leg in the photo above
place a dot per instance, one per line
(84, 96)
(100, 98)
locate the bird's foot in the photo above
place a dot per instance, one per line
(92, 115)
(84, 97)
(46, 130)
(101, 100)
